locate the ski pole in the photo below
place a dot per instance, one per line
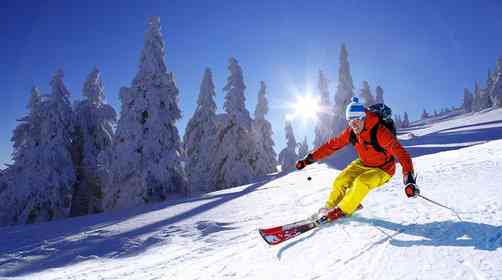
(441, 205)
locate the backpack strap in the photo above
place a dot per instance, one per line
(353, 137)
(377, 147)
(374, 139)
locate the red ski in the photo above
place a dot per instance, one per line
(276, 235)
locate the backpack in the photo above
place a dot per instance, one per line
(384, 114)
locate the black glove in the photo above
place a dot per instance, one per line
(304, 162)
(410, 186)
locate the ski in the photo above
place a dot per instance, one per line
(276, 235)
(279, 234)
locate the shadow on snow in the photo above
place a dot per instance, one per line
(445, 233)
(78, 239)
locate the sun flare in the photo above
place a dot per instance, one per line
(305, 108)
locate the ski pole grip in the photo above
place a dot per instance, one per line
(410, 190)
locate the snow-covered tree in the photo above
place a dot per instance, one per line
(365, 95)
(476, 101)
(343, 95)
(406, 120)
(27, 134)
(324, 127)
(397, 121)
(493, 85)
(288, 156)
(235, 160)
(94, 134)
(26, 159)
(424, 115)
(42, 177)
(496, 91)
(379, 95)
(490, 80)
(482, 98)
(145, 163)
(435, 113)
(303, 148)
(266, 156)
(344, 91)
(486, 100)
(199, 140)
(468, 101)
(498, 69)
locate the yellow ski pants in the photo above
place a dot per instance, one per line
(353, 184)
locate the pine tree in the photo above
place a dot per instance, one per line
(323, 129)
(144, 164)
(235, 159)
(27, 158)
(94, 134)
(344, 91)
(490, 85)
(303, 148)
(365, 95)
(498, 69)
(486, 100)
(379, 95)
(199, 140)
(42, 176)
(397, 120)
(406, 120)
(343, 95)
(496, 92)
(490, 79)
(477, 104)
(27, 134)
(288, 156)
(266, 156)
(424, 115)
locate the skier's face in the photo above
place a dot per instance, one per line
(357, 125)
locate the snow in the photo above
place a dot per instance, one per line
(452, 131)
(214, 236)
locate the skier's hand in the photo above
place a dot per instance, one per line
(411, 190)
(410, 184)
(300, 164)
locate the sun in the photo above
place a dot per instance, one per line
(305, 108)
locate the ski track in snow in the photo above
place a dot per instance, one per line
(214, 236)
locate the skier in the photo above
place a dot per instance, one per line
(374, 167)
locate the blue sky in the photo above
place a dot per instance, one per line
(423, 53)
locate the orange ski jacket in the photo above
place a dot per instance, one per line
(369, 156)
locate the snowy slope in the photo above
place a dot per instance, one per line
(452, 131)
(214, 236)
